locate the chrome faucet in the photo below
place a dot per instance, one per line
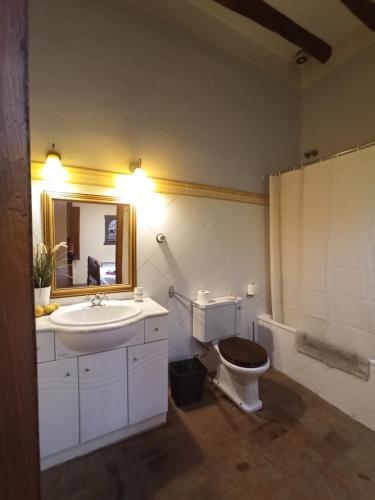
(97, 299)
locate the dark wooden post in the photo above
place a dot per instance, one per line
(19, 453)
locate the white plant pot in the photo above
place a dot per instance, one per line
(42, 295)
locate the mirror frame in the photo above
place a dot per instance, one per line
(47, 198)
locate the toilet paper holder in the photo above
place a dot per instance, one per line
(160, 238)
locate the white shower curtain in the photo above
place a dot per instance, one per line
(322, 250)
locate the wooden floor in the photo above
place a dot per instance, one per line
(297, 447)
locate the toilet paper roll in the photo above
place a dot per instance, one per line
(203, 296)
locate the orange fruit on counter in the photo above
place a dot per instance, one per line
(39, 311)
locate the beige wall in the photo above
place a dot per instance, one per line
(109, 83)
(338, 111)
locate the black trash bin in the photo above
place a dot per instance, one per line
(187, 378)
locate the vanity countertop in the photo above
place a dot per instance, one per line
(149, 308)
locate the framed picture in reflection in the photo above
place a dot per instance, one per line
(110, 224)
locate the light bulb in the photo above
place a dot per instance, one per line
(135, 187)
(53, 172)
(139, 173)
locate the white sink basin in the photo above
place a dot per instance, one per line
(86, 315)
(87, 328)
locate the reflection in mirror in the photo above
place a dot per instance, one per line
(92, 231)
(100, 242)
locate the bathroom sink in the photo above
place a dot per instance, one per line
(87, 315)
(87, 328)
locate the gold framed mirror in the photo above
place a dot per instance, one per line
(100, 236)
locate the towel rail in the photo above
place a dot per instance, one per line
(173, 293)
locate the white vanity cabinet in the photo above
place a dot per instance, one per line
(93, 398)
(58, 405)
(45, 347)
(103, 398)
(148, 380)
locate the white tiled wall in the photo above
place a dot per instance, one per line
(350, 394)
(213, 244)
(327, 228)
(218, 245)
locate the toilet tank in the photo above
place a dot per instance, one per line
(219, 318)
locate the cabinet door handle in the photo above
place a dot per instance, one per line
(67, 374)
(87, 369)
(156, 329)
(135, 359)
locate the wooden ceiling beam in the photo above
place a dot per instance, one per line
(270, 18)
(364, 10)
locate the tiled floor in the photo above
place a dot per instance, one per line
(297, 447)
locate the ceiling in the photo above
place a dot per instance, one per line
(246, 40)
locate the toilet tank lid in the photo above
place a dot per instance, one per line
(217, 302)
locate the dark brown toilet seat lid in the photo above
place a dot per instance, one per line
(243, 352)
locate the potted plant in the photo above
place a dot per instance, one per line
(45, 261)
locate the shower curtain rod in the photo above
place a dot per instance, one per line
(323, 158)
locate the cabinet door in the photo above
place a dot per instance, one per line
(148, 380)
(103, 393)
(58, 405)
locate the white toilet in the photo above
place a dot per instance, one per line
(241, 360)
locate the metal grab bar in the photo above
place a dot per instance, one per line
(172, 293)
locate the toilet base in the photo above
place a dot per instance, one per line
(241, 389)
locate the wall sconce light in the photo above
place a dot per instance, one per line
(137, 185)
(140, 176)
(137, 166)
(53, 171)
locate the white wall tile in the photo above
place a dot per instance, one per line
(349, 311)
(148, 276)
(321, 377)
(315, 304)
(212, 244)
(147, 237)
(313, 325)
(353, 340)
(371, 322)
(350, 255)
(350, 394)
(351, 282)
(371, 279)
